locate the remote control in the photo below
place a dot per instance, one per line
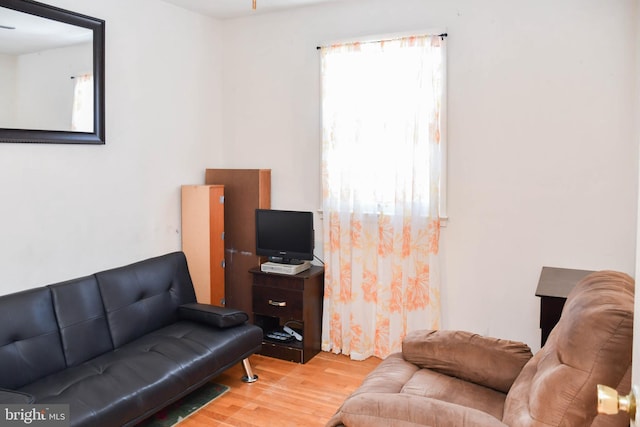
(278, 336)
(293, 333)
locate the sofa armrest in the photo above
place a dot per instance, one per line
(11, 397)
(490, 362)
(220, 317)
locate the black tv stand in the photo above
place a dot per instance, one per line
(296, 301)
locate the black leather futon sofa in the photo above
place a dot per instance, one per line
(118, 345)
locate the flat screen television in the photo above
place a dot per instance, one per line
(284, 236)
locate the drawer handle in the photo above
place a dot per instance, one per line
(277, 303)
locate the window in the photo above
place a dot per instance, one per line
(383, 105)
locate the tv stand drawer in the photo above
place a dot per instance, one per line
(276, 302)
(293, 352)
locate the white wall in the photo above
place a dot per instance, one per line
(543, 158)
(67, 211)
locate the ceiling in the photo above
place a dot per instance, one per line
(226, 9)
(33, 34)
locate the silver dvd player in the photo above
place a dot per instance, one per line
(291, 269)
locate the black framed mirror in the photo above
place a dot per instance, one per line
(51, 75)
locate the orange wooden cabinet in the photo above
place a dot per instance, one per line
(203, 240)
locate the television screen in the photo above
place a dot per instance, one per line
(284, 236)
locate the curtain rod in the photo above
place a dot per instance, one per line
(442, 36)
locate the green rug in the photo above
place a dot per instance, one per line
(188, 405)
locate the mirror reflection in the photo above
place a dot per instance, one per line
(46, 74)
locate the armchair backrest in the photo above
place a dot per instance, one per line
(591, 344)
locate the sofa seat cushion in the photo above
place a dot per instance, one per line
(12, 397)
(434, 385)
(146, 374)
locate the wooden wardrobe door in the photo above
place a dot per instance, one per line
(245, 191)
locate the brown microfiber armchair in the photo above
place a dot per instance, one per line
(459, 379)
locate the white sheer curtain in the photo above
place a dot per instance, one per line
(82, 114)
(382, 146)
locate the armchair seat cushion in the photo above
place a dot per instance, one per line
(442, 387)
(407, 410)
(398, 393)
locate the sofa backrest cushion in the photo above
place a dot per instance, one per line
(142, 297)
(30, 345)
(591, 344)
(81, 319)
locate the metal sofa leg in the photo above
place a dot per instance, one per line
(250, 377)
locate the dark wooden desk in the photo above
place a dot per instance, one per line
(553, 287)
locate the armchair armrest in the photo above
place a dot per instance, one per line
(220, 317)
(11, 397)
(490, 362)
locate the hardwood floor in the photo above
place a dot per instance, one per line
(286, 393)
